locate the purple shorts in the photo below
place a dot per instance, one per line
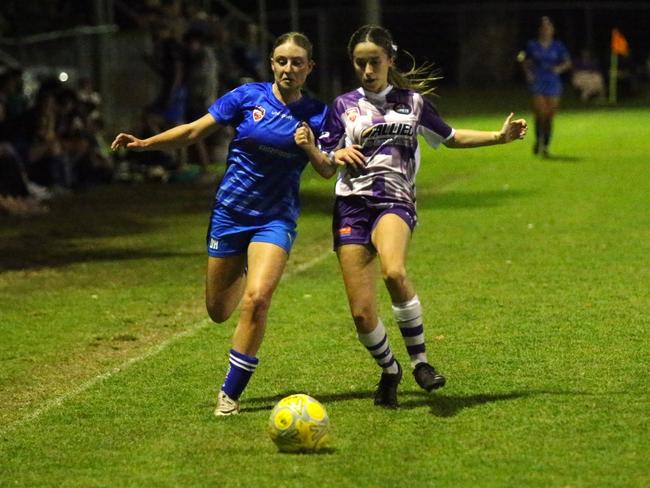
(356, 217)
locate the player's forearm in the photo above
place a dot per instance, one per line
(321, 162)
(466, 138)
(174, 138)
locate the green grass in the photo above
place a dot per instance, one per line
(533, 274)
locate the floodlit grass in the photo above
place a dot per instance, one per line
(533, 275)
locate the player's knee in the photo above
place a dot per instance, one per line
(394, 276)
(363, 318)
(218, 313)
(256, 301)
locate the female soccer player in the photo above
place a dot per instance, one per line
(253, 222)
(375, 129)
(543, 61)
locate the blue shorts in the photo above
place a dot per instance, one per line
(547, 87)
(230, 233)
(356, 217)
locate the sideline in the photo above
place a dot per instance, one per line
(189, 332)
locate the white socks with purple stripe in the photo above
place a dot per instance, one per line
(409, 318)
(377, 344)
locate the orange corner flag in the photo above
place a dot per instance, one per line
(619, 43)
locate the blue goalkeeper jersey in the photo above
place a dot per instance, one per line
(264, 163)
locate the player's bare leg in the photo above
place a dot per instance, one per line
(224, 285)
(359, 276)
(266, 262)
(391, 238)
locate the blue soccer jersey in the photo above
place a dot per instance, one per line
(545, 59)
(264, 163)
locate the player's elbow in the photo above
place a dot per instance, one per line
(453, 143)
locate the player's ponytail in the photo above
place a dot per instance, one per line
(418, 78)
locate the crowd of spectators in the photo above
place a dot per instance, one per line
(54, 143)
(197, 56)
(48, 147)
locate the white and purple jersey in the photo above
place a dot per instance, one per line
(386, 125)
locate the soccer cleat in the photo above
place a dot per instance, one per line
(427, 377)
(386, 394)
(226, 405)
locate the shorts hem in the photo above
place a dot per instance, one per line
(225, 254)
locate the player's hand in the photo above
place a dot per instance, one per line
(304, 137)
(350, 156)
(128, 141)
(513, 129)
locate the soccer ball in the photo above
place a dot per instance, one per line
(299, 423)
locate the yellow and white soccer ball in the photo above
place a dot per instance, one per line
(299, 423)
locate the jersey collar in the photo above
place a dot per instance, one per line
(376, 97)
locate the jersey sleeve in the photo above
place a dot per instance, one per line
(434, 130)
(333, 131)
(321, 122)
(226, 108)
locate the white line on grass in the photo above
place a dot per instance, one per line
(193, 329)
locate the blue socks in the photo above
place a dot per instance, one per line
(240, 370)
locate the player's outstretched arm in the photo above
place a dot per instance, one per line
(511, 131)
(174, 138)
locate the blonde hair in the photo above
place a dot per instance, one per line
(418, 78)
(298, 38)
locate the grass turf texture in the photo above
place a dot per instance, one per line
(533, 275)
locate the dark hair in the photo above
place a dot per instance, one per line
(418, 78)
(298, 38)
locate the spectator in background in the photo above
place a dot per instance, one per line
(16, 191)
(11, 87)
(201, 82)
(89, 98)
(247, 55)
(543, 61)
(587, 77)
(41, 144)
(167, 62)
(228, 69)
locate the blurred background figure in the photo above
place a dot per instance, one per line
(201, 81)
(167, 61)
(587, 77)
(544, 60)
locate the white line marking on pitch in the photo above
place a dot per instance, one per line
(59, 400)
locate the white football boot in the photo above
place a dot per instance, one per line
(226, 405)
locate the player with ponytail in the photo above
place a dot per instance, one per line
(371, 135)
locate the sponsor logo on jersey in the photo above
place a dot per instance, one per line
(393, 129)
(258, 113)
(277, 113)
(214, 244)
(402, 108)
(345, 231)
(352, 114)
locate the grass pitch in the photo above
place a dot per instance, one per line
(534, 279)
